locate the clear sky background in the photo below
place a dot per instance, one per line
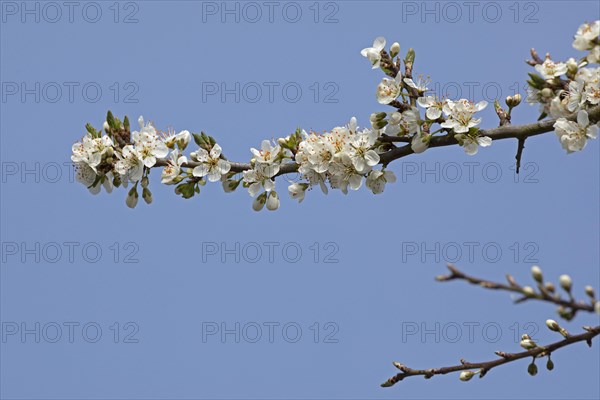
(369, 308)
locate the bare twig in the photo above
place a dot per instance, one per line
(535, 58)
(484, 367)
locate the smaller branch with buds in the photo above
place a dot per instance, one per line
(546, 290)
(532, 350)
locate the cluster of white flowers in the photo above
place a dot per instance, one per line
(344, 157)
(267, 162)
(99, 162)
(456, 116)
(146, 148)
(586, 39)
(87, 156)
(562, 88)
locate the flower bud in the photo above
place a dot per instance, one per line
(147, 195)
(380, 124)
(297, 191)
(106, 127)
(565, 282)
(547, 93)
(466, 375)
(550, 287)
(564, 313)
(597, 307)
(109, 153)
(410, 56)
(398, 365)
(273, 201)
(590, 292)
(379, 116)
(132, 198)
(532, 369)
(509, 101)
(230, 185)
(394, 49)
(527, 343)
(259, 202)
(145, 181)
(395, 118)
(549, 364)
(571, 67)
(536, 272)
(552, 325)
(183, 139)
(513, 101)
(517, 98)
(528, 291)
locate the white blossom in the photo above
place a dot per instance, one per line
(377, 179)
(363, 157)
(297, 191)
(344, 174)
(130, 165)
(181, 139)
(388, 90)
(267, 153)
(420, 142)
(460, 115)
(374, 53)
(586, 35)
(549, 69)
(471, 144)
(573, 136)
(91, 150)
(402, 124)
(170, 173)
(85, 175)
(148, 145)
(420, 85)
(259, 177)
(594, 56)
(432, 105)
(576, 97)
(211, 163)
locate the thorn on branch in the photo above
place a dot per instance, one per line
(520, 148)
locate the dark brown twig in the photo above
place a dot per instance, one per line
(543, 294)
(521, 146)
(486, 366)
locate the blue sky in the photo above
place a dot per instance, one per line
(148, 293)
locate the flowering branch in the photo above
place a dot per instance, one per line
(546, 291)
(346, 157)
(520, 132)
(533, 350)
